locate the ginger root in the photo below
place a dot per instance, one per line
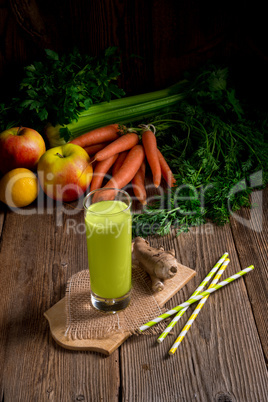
(157, 262)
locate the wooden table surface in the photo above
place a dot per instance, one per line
(222, 358)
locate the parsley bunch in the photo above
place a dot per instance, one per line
(59, 88)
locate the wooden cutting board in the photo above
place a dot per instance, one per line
(56, 317)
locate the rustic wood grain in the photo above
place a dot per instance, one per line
(221, 357)
(190, 36)
(166, 38)
(2, 218)
(125, 24)
(37, 258)
(30, 19)
(2, 353)
(251, 241)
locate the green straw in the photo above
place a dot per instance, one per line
(196, 292)
(195, 299)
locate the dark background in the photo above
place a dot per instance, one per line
(168, 37)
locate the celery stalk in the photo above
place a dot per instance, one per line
(132, 100)
(122, 115)
(123, 110)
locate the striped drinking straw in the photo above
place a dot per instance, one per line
(195, 298)
(197, 310)
(196, 292)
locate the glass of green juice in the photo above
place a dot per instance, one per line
(109, 235)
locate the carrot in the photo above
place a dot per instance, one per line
(138, 184)
(123, 143)
(93, 149)
(129, 168)
(101, 134)
(150, 148)
(166, 171)
(100, 171)
(119, 162)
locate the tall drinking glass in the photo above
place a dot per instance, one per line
(109, 234)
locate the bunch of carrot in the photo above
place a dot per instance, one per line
(125, 157)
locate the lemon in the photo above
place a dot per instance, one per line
(19, 187)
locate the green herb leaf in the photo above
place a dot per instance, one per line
(51, 54)
(59, 88)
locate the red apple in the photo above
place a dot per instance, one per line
(65, 172)
(20, 147)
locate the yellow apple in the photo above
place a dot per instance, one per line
(65, 172)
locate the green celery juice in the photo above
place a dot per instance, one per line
(108, 230)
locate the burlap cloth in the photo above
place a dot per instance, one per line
(85, 322)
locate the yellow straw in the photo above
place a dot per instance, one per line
(197, 310)
(196, 298)
(196, 292)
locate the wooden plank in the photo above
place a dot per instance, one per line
(2, 218)
(221, 357)
(37, 258)
(168, 38)
(251, 240)
(172, 53)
